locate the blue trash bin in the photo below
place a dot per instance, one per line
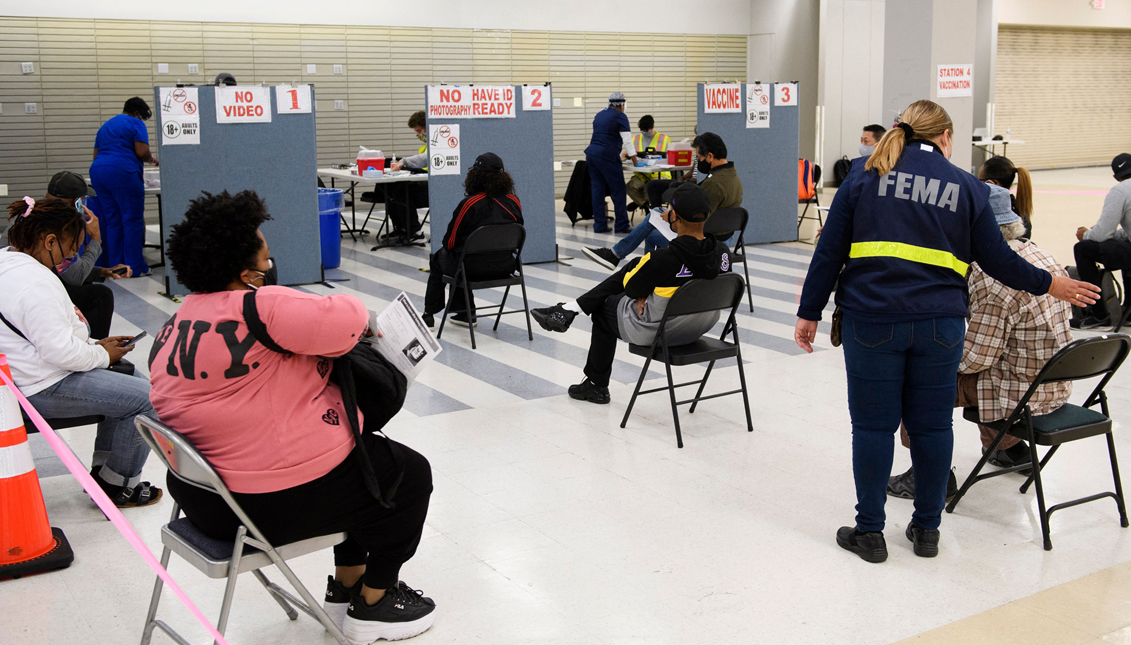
(329, 227)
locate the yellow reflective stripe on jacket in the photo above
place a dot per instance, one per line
(423, 149)
(909, 252)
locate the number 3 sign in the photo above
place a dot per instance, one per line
(535, 97)
(785, 94)
(292, 100)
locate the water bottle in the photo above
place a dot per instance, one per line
(1007, 131)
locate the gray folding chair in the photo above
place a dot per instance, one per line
(250, 551)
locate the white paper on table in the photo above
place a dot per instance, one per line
(655, 216)
(405, 341)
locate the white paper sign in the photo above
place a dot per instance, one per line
(247, 104)
(292, 100)
(722, 98)
(180, 116)
(443, 149)
(757, 105)
(471, 102)
(955, 80)
(785, 94)
(535, 97)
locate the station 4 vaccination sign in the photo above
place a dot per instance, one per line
(471, 101)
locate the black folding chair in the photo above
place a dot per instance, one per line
(696, 296)
(723, 224)
(493, 238)
(1081, 359)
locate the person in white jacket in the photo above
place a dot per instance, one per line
(53, 360)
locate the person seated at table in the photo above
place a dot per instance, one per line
(869, 137)
(1001, 172)
(646, 141)
(1108, 243)
(1010, 337)
(630, 304)
(719, 180)
(490, 199)
(274, 426)
(54, 362)
(406, 222)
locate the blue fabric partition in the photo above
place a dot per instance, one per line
(526, 146)
(278, 160)
(766, 162)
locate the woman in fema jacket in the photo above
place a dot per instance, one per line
(903, 228)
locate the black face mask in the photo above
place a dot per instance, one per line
(271, 276)
(704, 166)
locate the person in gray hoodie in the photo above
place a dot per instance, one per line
(1108, 243)
(630, 304)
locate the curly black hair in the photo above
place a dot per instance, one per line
(50, 215)
(495, 183)
(216, 241)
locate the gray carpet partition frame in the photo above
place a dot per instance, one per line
(526, 145)
(766, 162)
(277, 160)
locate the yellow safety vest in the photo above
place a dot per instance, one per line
(909, 252)
(423, 149)
(659, 143)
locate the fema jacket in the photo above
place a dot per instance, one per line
(905, 240)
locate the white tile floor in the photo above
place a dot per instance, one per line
(551, 524)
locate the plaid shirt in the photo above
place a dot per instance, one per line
(1012, 334)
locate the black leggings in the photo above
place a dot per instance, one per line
(382, 539)
(96, 302)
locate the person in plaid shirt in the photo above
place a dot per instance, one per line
(1010, 336)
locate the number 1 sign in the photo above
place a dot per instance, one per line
(292, 100)
(535, 97)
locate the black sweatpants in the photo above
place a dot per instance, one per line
(96, 302)
(479, 267)
(403, 216)
(601, 304)
(381, 538)
(1114, 255)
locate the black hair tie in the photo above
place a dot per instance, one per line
(908, 131)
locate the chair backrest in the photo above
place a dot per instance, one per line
(724, 222)
(698, 296)
(1086, 358)
(495, 237)
(178, 455)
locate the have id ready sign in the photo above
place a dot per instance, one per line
(471, 102)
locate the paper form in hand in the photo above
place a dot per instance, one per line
(656, 217)
(405, 341)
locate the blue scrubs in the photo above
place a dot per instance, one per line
(117, 178)
(605, 174)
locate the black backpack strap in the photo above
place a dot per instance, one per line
(13, 327)
(343, 376)
(255, 324)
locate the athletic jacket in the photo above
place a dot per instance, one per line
(480, 210)
(905, 241)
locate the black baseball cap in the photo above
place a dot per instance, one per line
(689, 201)
(1121, 166)
(489, 161)
(68, 185)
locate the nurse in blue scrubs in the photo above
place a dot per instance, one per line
(121, 146)
(611, 135)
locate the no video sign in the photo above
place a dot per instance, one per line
(249, 104)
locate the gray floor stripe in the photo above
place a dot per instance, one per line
(135, 309)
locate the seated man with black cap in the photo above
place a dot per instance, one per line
(630, 303)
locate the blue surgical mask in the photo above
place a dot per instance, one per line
(866, 151)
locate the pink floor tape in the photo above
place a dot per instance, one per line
(99, 496)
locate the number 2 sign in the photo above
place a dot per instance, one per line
(292, 100)
(785, 94)
(535, 97)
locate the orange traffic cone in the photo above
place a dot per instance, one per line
(28, 544)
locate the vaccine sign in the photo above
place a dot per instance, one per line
(722, 98)
(955, 80)
(471, 102)
(249, 104)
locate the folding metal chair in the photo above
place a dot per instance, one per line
(249, 551)
(723, 224)
(696, 296)
(814, 200)
(1081, 359)
(493, 238)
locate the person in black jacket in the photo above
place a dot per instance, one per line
(630, 304)
(490, 200)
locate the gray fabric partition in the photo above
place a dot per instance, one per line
(766, 162)
(278, 160)
(526, 145)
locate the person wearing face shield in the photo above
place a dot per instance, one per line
(53, 359)
(611, 136)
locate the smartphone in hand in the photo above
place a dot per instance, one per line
(134, 340)
(120, 271)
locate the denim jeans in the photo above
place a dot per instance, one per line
(644, 232)
(119, 450)
(905, 371)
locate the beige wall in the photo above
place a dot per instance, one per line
(1065, 13)
(85, 69)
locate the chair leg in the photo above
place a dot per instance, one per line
(802, 218)
(749, 295)
(147, 633)
(506, 293)
(448, 307)
(742, 381)
(636, 392)
(973, 476)
(1044, 461)
(230, 588)
(1118, 484)
(348, 229)
(525, 306)
(1040, 493)
(702, 384)
(467, 307)
(370, 214)
(675, 410)
(290, 611)
(312, 605)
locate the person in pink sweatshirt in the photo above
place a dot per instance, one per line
(273, 425)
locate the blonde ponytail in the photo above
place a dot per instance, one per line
(926, 118)
(1024, 195)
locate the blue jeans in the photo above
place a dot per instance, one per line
(644, 232)
(905, 371)
(119, 450)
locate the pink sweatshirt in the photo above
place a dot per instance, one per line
(265, 421)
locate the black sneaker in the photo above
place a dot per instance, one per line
(925, 541)
(903, 486)
(338, 599)
(588, 391)
(871, 547)
(402, 613)
(415, 237)
(429, 320)
(1092, 322)
(461, 320)
(556, 318)
(602, 256)
(1016, 455)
